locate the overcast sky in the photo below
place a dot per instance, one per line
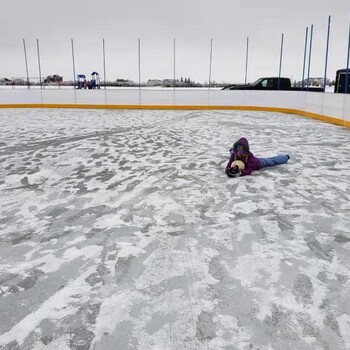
(157, 22)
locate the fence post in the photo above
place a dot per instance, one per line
(310, 50)
(246, 62)
(174, 65)
(211, 59)
(104, 63)
(26, 62)
(73, 64)
(326, 61)
(347, 66)
(302, 79)
(37, 45)
(279, 73)
(139, 54)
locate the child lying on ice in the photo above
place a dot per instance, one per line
(240, 152)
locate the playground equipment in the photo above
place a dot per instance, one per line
(95, 81)
(81, 80)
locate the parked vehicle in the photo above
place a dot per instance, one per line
(81, 81)
(340, 81)
(271, 83)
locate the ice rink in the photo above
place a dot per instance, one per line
(120, 230)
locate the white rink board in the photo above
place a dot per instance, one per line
(328, 104)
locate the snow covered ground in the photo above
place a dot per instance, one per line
(120, 230)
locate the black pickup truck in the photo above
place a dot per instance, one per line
(271, 83)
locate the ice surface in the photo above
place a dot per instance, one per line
(120, 230)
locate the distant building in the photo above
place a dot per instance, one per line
(154, 82)
(168, 82)
(313, 82)
(187, 82)
(124, 82)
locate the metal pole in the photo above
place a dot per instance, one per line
(210, 61)
(174, 65)
(246, 62)
(26, 62)
(104, 63)
(73, 63)
(310, 50)
(37, 45)
(302, 80)
(326, 62)
(347, 66)
(279, 74)
(139, 50)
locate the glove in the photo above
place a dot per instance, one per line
(234, 172)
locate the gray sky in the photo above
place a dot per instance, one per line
(157, 22)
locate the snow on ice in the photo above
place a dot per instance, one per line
(120, 230)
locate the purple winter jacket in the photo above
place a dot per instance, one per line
(253, 162)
